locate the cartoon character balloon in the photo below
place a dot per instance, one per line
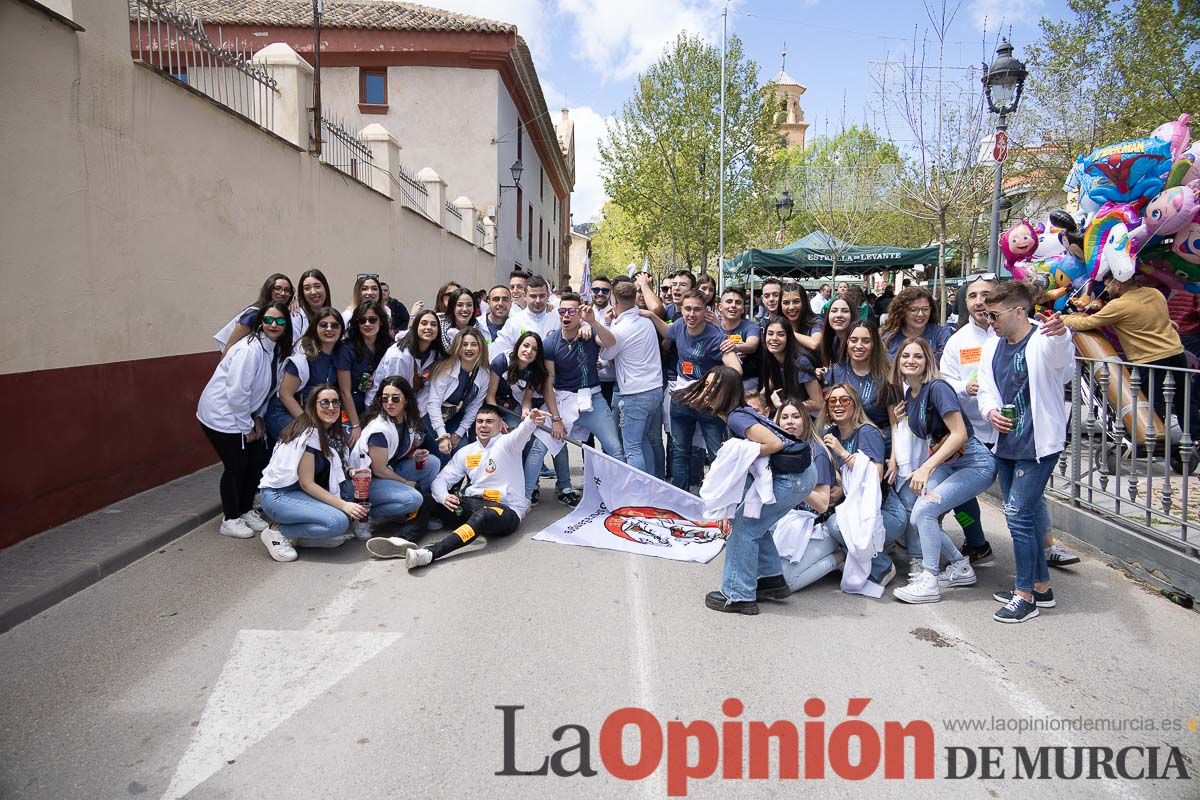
(1049, 242)
(1018, 244)
(1107, 246)
(1127, 172)
(1171, 211)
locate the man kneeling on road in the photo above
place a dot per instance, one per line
(492, 502)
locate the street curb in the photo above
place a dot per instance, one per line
(29, 604)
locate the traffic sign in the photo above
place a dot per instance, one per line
(1000, 148)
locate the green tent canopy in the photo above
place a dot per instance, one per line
(796, 259)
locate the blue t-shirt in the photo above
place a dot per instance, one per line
(320, 370)
(672, 311)
(825, 474)
(504, 390)
(360, 371)
(744, 418)
(805, 371)
(492, 327)
(248, 316)
(745, 330)
(695, 355)
(1011, 370)
(871, 394)
(941, 396)
(867, 440)
(379, 440)
(936, 335)
(574, 362)
(320, 467)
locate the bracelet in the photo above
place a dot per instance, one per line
(556, 419)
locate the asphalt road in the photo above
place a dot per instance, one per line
(209, 671)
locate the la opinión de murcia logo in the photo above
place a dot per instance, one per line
(852, 750)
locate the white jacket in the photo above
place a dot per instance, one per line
(506, 337)
(725, 485)
(398, 361)
(359, 457)
(1051, 361)
(793, 533)
(861, 523)
(284, 468)
(541, 324)
(960, 365)
(495, 472)
(442, 387)
(239, 388)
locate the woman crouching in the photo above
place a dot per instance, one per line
(301, 487)
(752, 563)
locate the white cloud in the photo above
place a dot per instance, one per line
(620, 38)
(1000, 15)
(588, 197)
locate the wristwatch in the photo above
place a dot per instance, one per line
(556, 419)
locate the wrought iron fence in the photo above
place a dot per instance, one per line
(342, 149)
(171, 39)
(1131, 451)
(453, 210)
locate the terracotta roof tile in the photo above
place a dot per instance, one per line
(373, 14)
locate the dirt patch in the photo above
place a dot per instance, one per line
(931, 636)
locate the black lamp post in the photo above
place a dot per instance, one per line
(515, 170)
(783, 210)
(1003, 82)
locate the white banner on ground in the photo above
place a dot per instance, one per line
(626, 509)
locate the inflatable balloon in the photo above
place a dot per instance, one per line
(1171, 211)
(1069, 230)
(1106, 244)
(1049, 242)
(1017, 244)
(1127, 172)
(1067, 276)
(1175, 133)
(1187, 243)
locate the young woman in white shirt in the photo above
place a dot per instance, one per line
(457, 388)
(314, 295)
(460, 315)
(230, 413)
(312, 365)
(302, 485)
(276, 289)
(413, 357)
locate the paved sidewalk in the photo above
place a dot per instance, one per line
(50, 567)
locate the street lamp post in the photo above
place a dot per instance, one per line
(783, 210)
(1003, 82)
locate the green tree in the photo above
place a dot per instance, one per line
(1108, 73)
(660, 162)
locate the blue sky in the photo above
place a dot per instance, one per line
(589, 52)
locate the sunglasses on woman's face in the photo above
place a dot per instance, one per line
(329, 326)
(274, 320)
(370, 320)
(837, 402)
(391, 399)
(326, 403)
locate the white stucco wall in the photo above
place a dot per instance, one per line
(137, 217)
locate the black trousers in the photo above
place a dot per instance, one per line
(480, 518)
(244, 467)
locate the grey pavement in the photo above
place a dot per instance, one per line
(207, 670)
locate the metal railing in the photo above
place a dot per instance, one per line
(343, 150)
(453, 210)
(1122, 460)
(171, 40)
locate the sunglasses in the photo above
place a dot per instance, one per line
(838, 402)
(600, 290)
(369, 321)
(568, 312)
(992, 316)
(329, 326)
(391, 399)
(362, 275)
(329, 403)
(275, 320)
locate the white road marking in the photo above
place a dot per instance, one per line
(644, 659)
(271, 675)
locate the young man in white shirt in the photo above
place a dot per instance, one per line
(492, 502)
(497, 323)
(538, 315)
(516, 286)
(631, 342)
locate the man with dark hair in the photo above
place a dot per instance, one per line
(516, 285)
(821, 298)
(1024, 368)
(741, 334)
(601, 299)
(772, 291)
(496, 323)
(681, 282)
(397, 311)
(492, 501)
(537, 316)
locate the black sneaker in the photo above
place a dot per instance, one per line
(535, 497)
(772, 588)
(719, 602)
(1059, 556)
(1040, 599)
(980, 556)
(1018, 609)
(569, 497)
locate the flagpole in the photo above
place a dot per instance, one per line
(721, 174)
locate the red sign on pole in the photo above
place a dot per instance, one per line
(1000, 149)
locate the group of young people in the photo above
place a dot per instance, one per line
(307, 401)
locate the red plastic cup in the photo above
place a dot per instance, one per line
(362, 485)
(421, 458)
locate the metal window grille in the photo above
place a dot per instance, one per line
(345, 151)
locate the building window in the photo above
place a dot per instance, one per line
(520, 136)
(542, 183)
(372, 91)
(541, 235)
(531, 232)
(520, 207)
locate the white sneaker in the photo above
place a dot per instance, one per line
(957, 573)
(389, 546)
(362, 530)
(922, 588)
(254, 521)
(279, 546)
(236, 529)
(417, 557)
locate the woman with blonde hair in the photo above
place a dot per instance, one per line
(458, 386)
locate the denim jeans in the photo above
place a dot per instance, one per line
(430, 442)
(683, 428)
(641, 430)
(275, 419)
(423, 477)
(817, 562)
(1023, 485)
(950, 486)
(393, 499)
(535, 456)
(601, 423)
(895, 521)
(302, 516)
(750, 551)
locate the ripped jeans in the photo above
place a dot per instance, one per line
(1023, 487)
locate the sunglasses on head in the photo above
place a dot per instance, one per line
(363, 275)
(327, 403)
(274, 320)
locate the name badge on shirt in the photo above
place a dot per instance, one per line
(736, 338)
(492, 495)
(687, 368)
(474, 460)
(970, 355)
